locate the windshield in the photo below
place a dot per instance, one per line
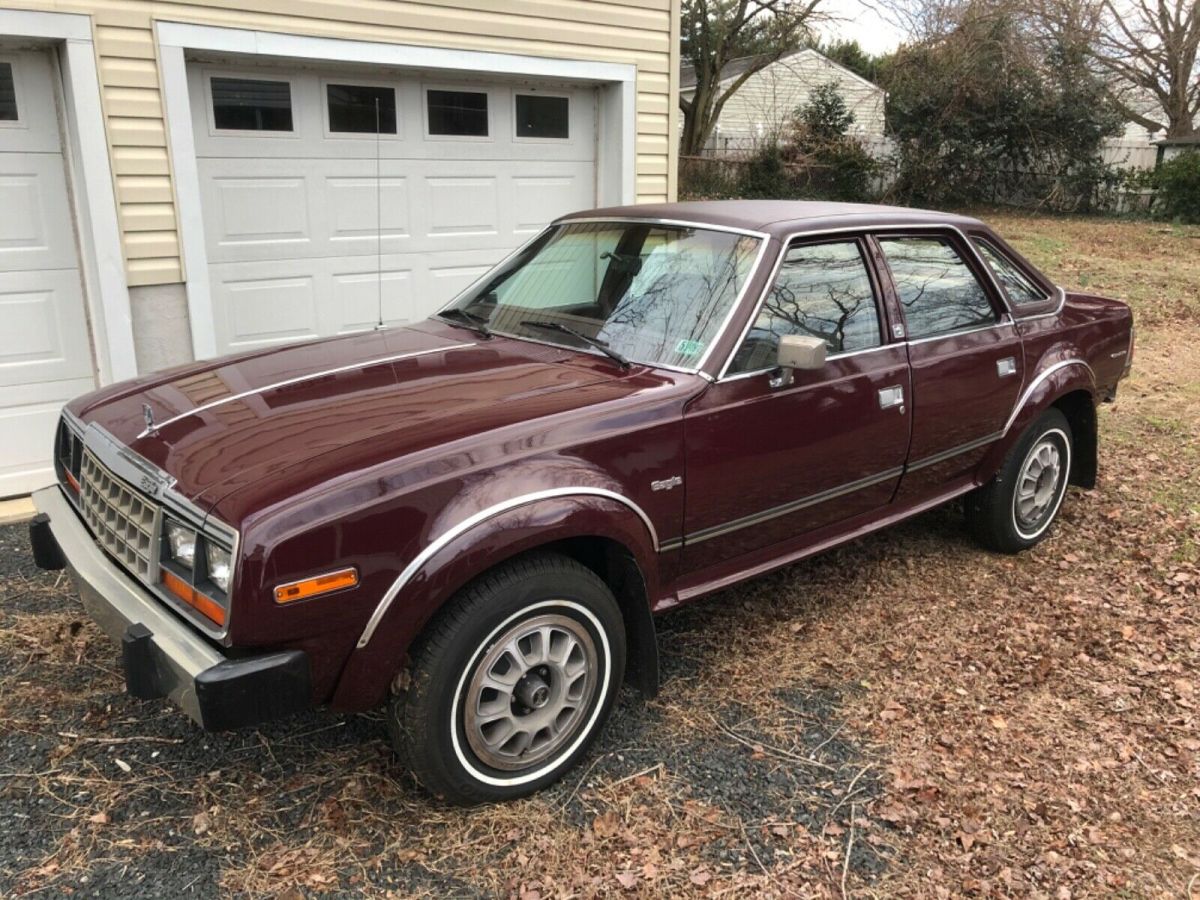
(651, 293)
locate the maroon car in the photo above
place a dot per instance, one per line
(473, 520)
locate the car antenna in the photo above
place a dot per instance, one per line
(378, 224)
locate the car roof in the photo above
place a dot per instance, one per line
(780, 217)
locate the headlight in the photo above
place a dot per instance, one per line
(182, 543)
(218, 565)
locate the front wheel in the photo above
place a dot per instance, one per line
(512, 682)
(1015, 510)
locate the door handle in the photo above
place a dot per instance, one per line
(1006, 366)
(891, 396)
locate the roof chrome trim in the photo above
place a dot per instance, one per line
(439, 543)
(1038, 379)
(677, 223)
(300, 379)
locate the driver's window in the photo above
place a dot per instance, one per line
(822, 290)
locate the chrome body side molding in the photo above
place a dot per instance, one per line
(1038, 379)
(447, 537)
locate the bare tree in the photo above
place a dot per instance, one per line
(715, 33)
(1151, 45)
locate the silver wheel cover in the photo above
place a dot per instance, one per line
(1041, 483)
(529, 692)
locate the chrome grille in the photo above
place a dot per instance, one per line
(121, 519)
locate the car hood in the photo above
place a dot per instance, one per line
(328, 408)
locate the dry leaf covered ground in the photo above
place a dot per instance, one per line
(905, 716)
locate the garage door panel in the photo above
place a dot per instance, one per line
(44, 335)
(266, 310)
(253, 215)
(36, 127)
(538, 199)
(359, 295)
(360, 207)
(33, 196)
(28, 429)
(463, 205)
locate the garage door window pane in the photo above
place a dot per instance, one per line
(461, 113)
(354, 108)
(247, 104)
(542, 117)
(8, 94)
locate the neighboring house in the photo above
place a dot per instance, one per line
(1169, 148)
(180, 181)
(765, 104)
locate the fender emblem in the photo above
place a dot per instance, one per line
(667, 483)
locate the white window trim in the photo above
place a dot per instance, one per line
(526, 92)
(248, 75)
(106, 293)
(353, 81)
(616, 119)
(473, 88)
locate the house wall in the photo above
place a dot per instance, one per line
(642, 32)
(763, 106)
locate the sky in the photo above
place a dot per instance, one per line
(853, 20)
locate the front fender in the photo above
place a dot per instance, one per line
(472, 547)
(1056, 378)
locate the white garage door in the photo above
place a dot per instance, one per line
(287, 159)
(45, 355)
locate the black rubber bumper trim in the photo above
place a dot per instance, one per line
(46, 552)
(137, 655)
(239, 692)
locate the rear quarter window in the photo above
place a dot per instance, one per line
(1019, 287)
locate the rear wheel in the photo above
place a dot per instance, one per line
(512, 682)
(1014, 511)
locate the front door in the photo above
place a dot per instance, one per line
(772, 456)
(966, 358)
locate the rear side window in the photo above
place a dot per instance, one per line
(939, 292)
(822, 290)
(1017, 285)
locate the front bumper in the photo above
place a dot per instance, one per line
(162, 655)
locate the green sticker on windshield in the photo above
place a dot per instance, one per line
(686, 347)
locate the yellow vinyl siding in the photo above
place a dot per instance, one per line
(642, 32)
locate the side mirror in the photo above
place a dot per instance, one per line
(800, 352)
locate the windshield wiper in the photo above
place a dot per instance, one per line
(590, 341)
(477, 324)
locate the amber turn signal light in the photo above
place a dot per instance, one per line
(314, 587)
(71, 481)
(206, 606)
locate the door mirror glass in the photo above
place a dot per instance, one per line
(801, 352)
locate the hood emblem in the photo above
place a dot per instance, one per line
(148, 418)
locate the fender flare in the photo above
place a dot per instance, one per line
(1053, 381)
(489, 538)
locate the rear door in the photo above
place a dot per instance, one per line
(965, 353)
(773, 456)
